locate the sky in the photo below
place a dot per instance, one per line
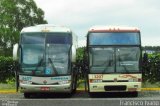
(80, 15)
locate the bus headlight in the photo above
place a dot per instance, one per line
(95, 80)
(64, 82)
(25, 82)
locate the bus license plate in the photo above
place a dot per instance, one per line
(45, 88)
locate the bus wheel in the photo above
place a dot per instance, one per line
(91, 94)
(135, 94)
(27, 95)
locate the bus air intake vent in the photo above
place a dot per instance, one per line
(56, 83)
(115, 88)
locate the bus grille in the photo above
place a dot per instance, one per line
(115, 88)
(56, 83)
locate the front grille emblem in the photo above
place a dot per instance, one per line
(45, 82)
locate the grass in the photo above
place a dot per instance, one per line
(4, 86)
(81, 84)
(150, 85)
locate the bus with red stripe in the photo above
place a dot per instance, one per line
(113, 59)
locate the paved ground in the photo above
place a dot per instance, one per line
(145, 98)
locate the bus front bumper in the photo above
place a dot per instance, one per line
(115, 87)
(46, 88)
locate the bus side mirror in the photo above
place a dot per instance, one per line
(145, 57)
(73, 53)
(15, 51)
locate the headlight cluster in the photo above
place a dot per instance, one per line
(64, 82)
(25, 82)
(133, 80)
(95, 80)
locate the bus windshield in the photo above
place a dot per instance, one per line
(114, 38)
(101, 60)
(45, 53)
(127, 59)
(57, 53)
(32, 49)
(114, 59)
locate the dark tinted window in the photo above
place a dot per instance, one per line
(32, 38)
(58, 38)
(116, 38)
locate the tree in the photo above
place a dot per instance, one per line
(14, 15)
(80, 53)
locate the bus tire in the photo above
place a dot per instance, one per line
(91, 94)
(135, 94)
(27, 95)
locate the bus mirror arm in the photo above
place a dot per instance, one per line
(16, 66)
(15, 70)
(75, 67)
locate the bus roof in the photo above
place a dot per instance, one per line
(113, 29)
(46, 28)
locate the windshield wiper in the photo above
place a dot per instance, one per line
(125, 68)
(39, 64)
(107, 65)
(54, 68)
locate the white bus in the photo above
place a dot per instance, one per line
(47, 56)
(114, 59)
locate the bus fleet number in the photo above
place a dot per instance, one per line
(98, 76)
